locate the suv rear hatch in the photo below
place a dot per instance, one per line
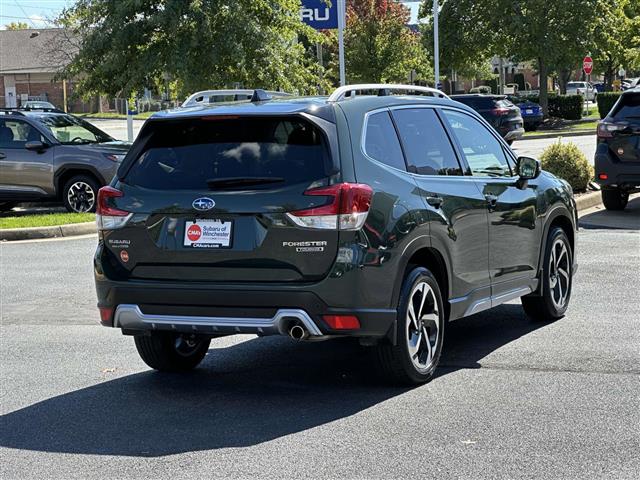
(621, 128)
(206, 199)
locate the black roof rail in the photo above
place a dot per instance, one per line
(20, 110)
(260, 95)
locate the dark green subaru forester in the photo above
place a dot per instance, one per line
(381, 212)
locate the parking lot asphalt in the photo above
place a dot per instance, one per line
(512, 399)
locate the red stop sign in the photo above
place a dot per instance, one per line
(587, 65)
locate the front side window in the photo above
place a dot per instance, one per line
(71, 130)
(16, 133)
(381, 142)
(425, 142)
(481, 149)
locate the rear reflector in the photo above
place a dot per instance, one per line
(106, 316)
(603, 176)
(347, 209)
(107, 216)
(342, 322)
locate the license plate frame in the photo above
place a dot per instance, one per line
(209, 234)
(529, 111)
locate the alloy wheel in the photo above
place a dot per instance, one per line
(559, 273)
(423, 326)
(81, 197)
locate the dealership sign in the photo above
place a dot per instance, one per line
(319, 15)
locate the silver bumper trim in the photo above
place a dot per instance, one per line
(129, 316)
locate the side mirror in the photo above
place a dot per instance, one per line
(35, 146)
(527, 168)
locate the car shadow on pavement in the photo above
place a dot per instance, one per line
(243, 395)
(627, 219)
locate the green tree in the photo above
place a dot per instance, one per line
(551, 34)
(379, 47)
(617, 38)
(16, 26)
(127, 45)
(466, 50)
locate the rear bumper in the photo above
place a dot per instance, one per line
(224, 310)
(625, 175)
(510, 133)
(532, 119)
(131, 318)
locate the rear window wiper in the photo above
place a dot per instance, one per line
(230, 182)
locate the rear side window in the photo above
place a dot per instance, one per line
(628, 108)
(425, 142)
(215, 152)
(381, 142)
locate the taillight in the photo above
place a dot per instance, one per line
(606, 129)
(107, 216)
(500, 111)
(347, 209)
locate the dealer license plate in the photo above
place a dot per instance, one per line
(206, 233)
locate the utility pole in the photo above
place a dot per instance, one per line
(436, 52)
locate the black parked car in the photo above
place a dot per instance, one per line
(501, 114)
(617, 160)
(376, 216)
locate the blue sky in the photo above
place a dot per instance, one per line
(35, 13)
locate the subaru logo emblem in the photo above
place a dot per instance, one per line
(203, 203)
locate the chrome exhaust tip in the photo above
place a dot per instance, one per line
(297, 332)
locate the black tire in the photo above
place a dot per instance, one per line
(86, 194)
(396, 360)
(544, 307)
(172, 352)
(614, 198)
(6, 206)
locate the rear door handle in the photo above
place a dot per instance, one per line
(2, 156)
(435, 201)
(492, 200)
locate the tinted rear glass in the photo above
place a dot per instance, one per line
(477, 103)
(628, 108)
(189, 154)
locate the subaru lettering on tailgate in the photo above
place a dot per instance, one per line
(203, 203)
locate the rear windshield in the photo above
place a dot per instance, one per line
(214, 153)
(628, 108)
(476, 103)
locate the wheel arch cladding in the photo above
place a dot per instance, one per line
(432, 260)
(68, 173)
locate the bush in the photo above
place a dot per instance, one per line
(568, 107)
(606, 101)
(568, 162)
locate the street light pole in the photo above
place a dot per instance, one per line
(436, 52)
(341, 22)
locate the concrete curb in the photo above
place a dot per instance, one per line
(578, 133)
(588, 200)
(70, 230)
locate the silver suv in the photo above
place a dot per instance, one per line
(49, 155)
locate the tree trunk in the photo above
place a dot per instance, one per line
(563, 78)
(542, 73)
